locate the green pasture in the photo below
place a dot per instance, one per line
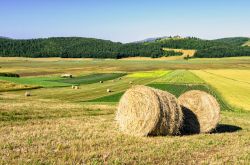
(37, 81)
(90, 79)
(180, 77)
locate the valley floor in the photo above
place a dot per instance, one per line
(60, 125)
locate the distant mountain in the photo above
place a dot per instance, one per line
(2, 37)
(156, 38)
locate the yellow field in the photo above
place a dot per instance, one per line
(153, 74)
(247, 43)
(43, 59)
(7, 86)
(184, 51)
(233, 85)
(234, 74)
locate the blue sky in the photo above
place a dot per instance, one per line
(124, 20)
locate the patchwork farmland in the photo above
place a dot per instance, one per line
(58, 124)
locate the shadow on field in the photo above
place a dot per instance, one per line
(191, 125)
(226, 128)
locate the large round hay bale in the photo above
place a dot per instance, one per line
(201, 111)
(144, 111)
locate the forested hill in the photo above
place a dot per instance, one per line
(227, 47)
(236, 41)
(77, 47)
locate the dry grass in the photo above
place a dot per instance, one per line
(185, 52)
(79, 67)
(95, 139)
(8, 86)
(42, 59)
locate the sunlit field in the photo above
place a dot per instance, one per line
(233, 85)
(61, 125)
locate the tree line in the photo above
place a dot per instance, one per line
(76, 47)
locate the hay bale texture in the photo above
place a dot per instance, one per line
(201, 111)
(144, 111)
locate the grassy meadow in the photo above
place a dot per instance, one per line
(61, 125)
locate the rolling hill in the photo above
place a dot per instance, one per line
(238, 41)
(78, 47)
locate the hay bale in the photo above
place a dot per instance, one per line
(77, 87)
(101, 82)
(66, 76)
(27, 94)
(73, 87)
(131, 82)
(201, 111)
(108, 90)
(144, 111)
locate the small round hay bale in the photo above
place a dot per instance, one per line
(131, 82)
(201, 112)
(73, 87)
(144, 111)
(108, 90)
(77, 87)
(101, 82)
(27, 94)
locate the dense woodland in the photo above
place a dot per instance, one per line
(76, 47)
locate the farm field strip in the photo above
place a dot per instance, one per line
(91, 78)
(9, 86)
(175, 82)
(56, 81)
(233, 74)
(185, 52)
(40, 67)
(36, 81)
(87, 91)
(235, 93)
(149, 74)
(175, 89)
(180, 77)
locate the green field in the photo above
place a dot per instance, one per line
(37, 81)
(61, 125)
(181, 77)
(90, 79)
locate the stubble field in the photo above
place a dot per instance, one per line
(60, 125)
